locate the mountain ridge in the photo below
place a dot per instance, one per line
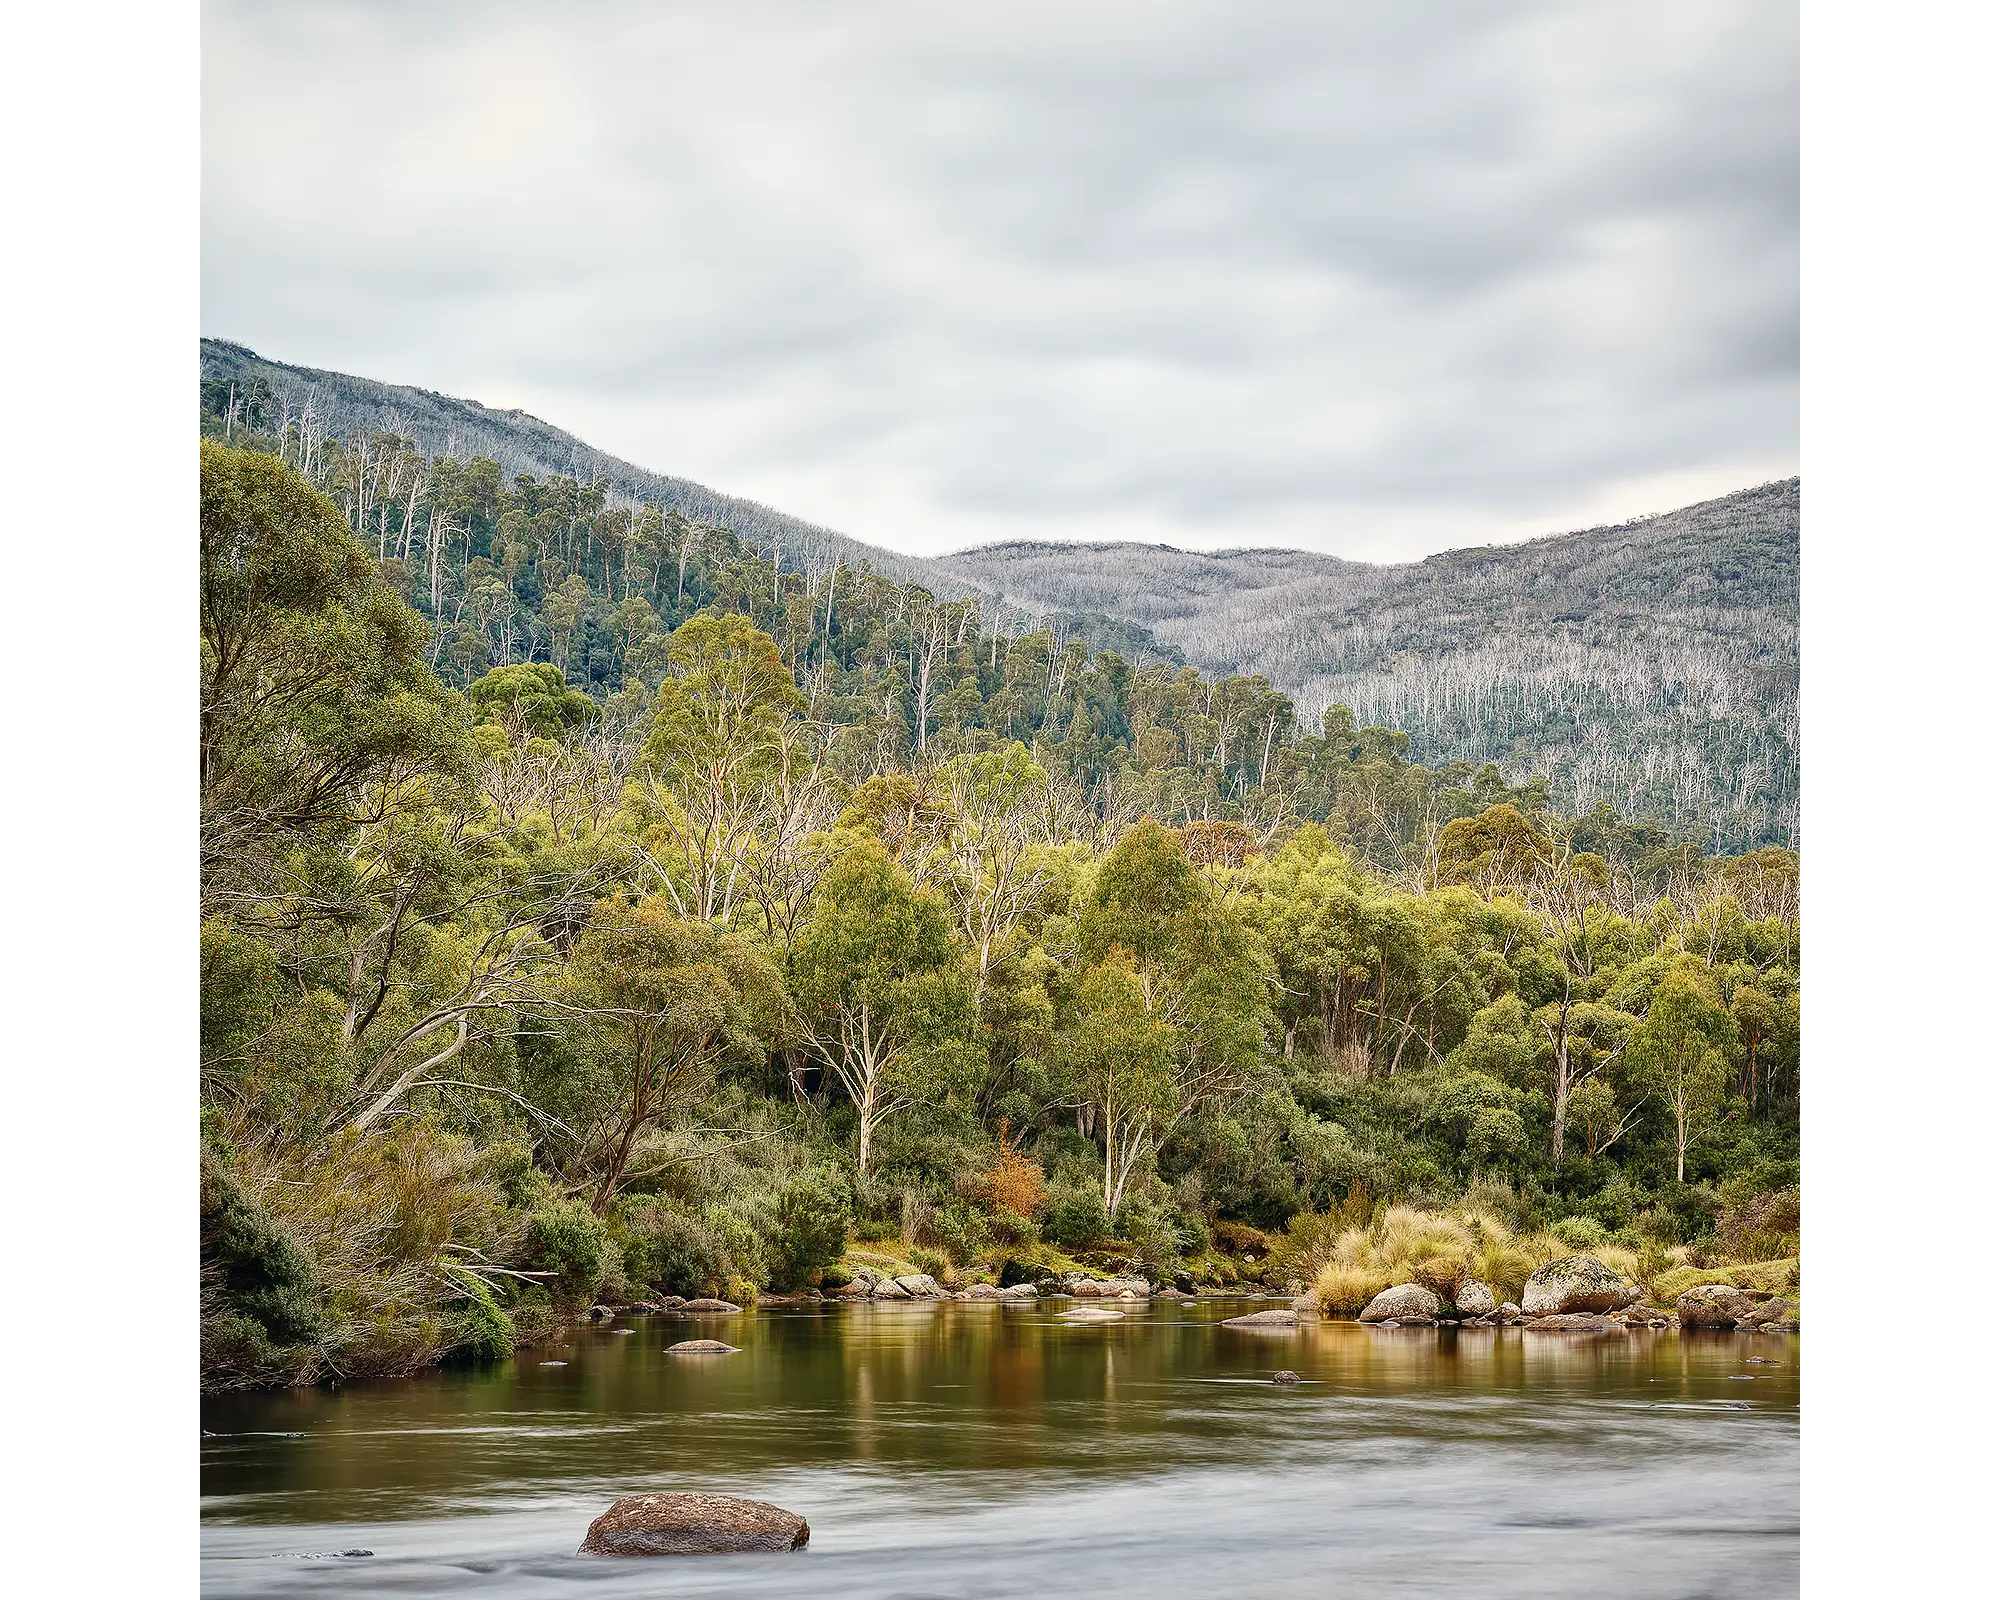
(1651, 663)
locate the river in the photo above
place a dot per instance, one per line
(974, 1449)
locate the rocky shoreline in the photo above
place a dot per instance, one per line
(1578, 1294)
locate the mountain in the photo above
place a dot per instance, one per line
(1653, 664)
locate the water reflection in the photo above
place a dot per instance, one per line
(988, 1449)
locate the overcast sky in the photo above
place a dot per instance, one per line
(1376, 278)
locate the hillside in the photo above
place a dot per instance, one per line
(1653, 664)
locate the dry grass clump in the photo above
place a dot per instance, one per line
(399, 1230)
(1441, 1250)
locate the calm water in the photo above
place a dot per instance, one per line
(976, 1449)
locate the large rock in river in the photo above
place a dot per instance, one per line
(707, 1304)
(1576, 1283)
(701, 1347)
(1400, 1304)
(1475, 1299)
(1264, 1319)
(1714, 1305)
(692, 1525)
(922, 1286)
(889, 1289)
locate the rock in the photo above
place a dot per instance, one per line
(701, 1347)
(1171, 1294)
(889, 1289)
(1474, 1299)
(692, 1525)
(979, 1291)
(716, 1307)
(1020, 1291)
(1764, 1316)
(1126, 1294)
(1264, 1319)
(1576, 1283)
(1404, 1301)
(672, 1302)
(1090, 1314)
(854, 1289)
(922, 1286)
(599, 1314)
(1086, 1288)
(1575, 1322)
(644, 1306)
(1285, 1377)
(1508, 1312)
(1714, 1305)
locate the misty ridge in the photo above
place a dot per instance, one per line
(1652, 665)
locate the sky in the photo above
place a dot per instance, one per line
(1373, 279)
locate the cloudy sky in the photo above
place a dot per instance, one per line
(1379, 279)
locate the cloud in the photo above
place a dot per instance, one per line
(1376, 280)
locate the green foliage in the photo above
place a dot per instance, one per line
(670, 1252)
(534, 696)
(1074, 1216)
(683, 1005)
(568, 1239)
(812, 1213)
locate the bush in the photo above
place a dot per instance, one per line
(486, 1333)
(1074, 1216)
(966, 1235)
(569, 1239)
(812, 1217)
(928, 1261)
(1155, 1240)
(674, 1253)
(1580, 1233)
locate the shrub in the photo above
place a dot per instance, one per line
(963, 1233)
(1074, 1216)
(1580, 1233)
(812, 1217)
(485, 1332)
(674, 1252)
(569, 1239)
(1013, 1185)
(928, 1261)
(1240, 1239)
(1155, 1240)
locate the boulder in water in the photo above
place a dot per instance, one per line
(711, 1306)
(1575, 1322)
(1020, 1291)
(1090, 1314)
(1714, 1305)
(888, 1289)
(1404, 1303)
(979, 1291)
(1287, 1376)
(692, 1525)
(922, 1286)
(1576, 1283)
(701, 1347)
(1474, 1299)
(1264, 1319)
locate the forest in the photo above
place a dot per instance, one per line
(596, 906)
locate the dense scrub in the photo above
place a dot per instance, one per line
(520, 996)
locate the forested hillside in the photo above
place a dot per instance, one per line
(1652, 665)
(592, 909)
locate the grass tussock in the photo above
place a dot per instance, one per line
(1440, 1250)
